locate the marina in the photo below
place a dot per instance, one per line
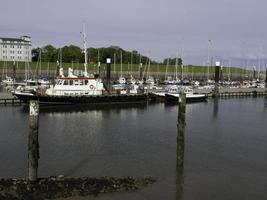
(133, 100)
(224, 146)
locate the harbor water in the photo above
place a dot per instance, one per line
(225, 147)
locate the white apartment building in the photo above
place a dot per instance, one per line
(16, 49)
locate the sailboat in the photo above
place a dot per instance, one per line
(131, 79)
(149, 79)
(121, 80)
(7, 80)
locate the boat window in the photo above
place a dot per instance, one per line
(65, 82)
(71, 82)
(86, 82)
(77, 82)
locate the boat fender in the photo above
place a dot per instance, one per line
(91, 87)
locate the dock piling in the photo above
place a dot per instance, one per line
(33, 144)
(108, 73)
(217, 77)
(181, 129)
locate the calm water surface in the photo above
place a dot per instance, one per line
(225, 150)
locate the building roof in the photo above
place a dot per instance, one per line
(14, 39)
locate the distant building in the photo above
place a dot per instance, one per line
(16, 49)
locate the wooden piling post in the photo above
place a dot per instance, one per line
(108, 74)
(33, 144)
(181, 129)
(217, 77)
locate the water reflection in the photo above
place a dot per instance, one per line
(215, 107)
(180, 157)
(265, 102)
(179, 183)
(86, 108)
(180, 170)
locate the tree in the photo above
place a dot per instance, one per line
(172, 61)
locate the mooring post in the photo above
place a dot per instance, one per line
(217, 77)
(181, 129)
(33, 144)
(221, 74)
(108, 73)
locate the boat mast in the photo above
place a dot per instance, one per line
(182, 59)
(121, 63)
(208, 72)
(176, 65)
(85, 52)
(229, 69)
(167, 65)
(131, 62)
(114, 63)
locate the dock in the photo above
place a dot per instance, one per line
(240, 92)
(8, 99)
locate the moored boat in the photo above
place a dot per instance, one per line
(85, 89)
(173, 95)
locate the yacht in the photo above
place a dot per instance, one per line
(73, 89)
(172, 95)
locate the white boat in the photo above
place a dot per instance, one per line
(121, 80)
(150, 80)
(131, 80)
(80, 86)
(174, 91)
(8, 81)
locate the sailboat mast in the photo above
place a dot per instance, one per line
(167, 66)
(114, 62)
(229, 69)
(182, 58)
(176, 65)
(131, 62)
(85, 52)
(208, 74)
(121, 63)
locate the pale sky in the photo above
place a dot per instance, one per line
(159, 28)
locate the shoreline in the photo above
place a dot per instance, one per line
(61, 187)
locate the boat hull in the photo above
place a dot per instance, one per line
(189, 99)
(72, 100)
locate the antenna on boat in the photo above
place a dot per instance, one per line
(85, 52)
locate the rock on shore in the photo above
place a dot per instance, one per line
(61, 187)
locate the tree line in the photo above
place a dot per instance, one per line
(74, 54)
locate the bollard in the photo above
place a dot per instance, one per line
(33, 145)
(181, 129)
(108, 74)
(217, 77)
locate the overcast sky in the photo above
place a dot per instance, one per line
(159, 28)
